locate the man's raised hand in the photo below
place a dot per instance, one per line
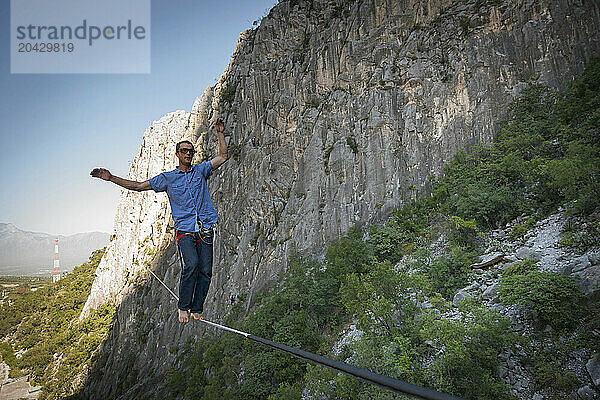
(219, 125)
(101, 173)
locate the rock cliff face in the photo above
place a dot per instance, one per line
(335, 111)
(355, 104)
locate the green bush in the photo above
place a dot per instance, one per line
(520, 268)
(549, 374)
(464, 361)
(549, 298)
(400, 234)
(350, 141)
(449, 273)
(579, 236)
(469, 361)
(591, 323)
(519, 231)
(227, 95)
(469, 190)
(287, 391)
(375, 297)
(349, 254)
(389, 242)
(299, 313)
(378, 355)
(465, 232)
(7, 355)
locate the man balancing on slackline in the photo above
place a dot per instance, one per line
(194, 216)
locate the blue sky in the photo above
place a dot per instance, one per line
(57, 127)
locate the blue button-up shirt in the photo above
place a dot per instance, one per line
(189, 196)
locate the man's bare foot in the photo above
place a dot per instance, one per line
(196, 316)
(184, 316)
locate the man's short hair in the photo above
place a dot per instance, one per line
(180, 143)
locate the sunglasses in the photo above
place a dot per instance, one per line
(186, 150)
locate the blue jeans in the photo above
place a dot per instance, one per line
(196, 273)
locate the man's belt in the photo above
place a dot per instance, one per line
(198, 236)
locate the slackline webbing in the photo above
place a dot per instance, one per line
(386, 382)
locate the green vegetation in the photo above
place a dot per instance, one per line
(546, 154)
(397, 292)
(469, 363)
(350, 141)
(549, 374)
(227, 95)
(310, 308)
(8, 356)
(296, 314)
(520, 268)
(549, 298)
(43, 326)
(572, 318)
(403, 231)
(18, 292)
(448, 274)
(581, 236)
(520, 230)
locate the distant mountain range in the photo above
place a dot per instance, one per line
(32, 253)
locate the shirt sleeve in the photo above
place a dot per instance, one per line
(158, 183)
(206, 169)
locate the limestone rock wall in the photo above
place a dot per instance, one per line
(354, 104)
(335, 111)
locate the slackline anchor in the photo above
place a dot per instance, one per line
(386, 382)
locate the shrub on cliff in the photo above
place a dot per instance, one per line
(449, 273)
(549, 298)
(546, 154)
(400, 234)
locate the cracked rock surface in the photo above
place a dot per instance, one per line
(334, 112)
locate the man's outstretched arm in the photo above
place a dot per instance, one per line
(222, 157)
(105, 174)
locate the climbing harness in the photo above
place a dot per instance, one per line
(197, 236)
(386, 382)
